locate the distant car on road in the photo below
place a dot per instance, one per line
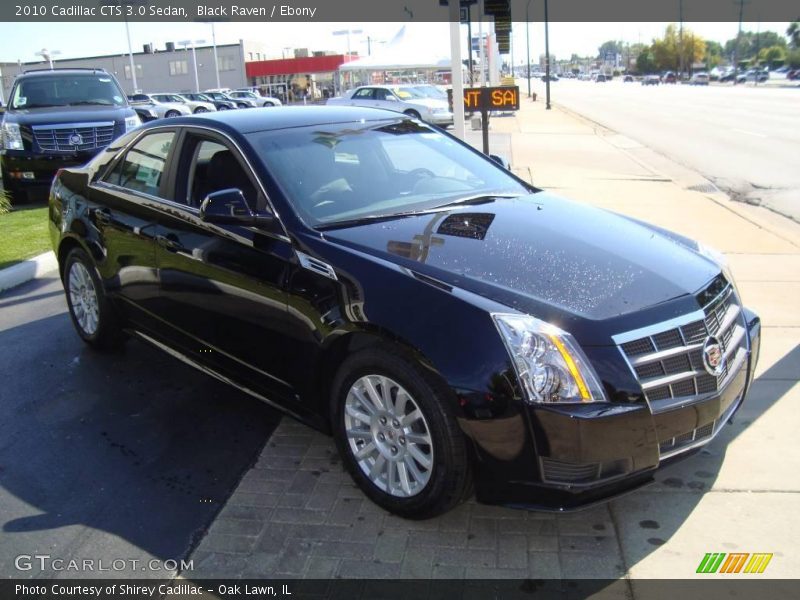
(627, 79)
(601, 78)
(399, 98)
(651, 80)
(163, 109)
(552, 77)
(699, 79)
(669, 77)
(754, 75)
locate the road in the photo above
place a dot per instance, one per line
(745, 139)
(124, 457)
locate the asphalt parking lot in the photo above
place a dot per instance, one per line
(127, 456)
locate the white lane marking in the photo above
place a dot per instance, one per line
(761, 135)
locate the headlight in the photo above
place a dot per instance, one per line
(132, 123)
(548, 361)
(12, 138)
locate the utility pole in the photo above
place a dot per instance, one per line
(546, 57)
(528, 43)
(736, 45)
(469, 43)
(680, 40)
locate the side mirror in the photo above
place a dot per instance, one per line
(229, 206)
(501, 161)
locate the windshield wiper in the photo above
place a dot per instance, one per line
(90, 103)
(24, 106)
(477, 199)
(371, 219)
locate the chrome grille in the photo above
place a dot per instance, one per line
(73, 137)
(685, 439)
(668, 358)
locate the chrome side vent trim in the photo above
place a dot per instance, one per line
(317, 266)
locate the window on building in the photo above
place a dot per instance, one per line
(250, 56)
(227, 63)
(128, 71)
(178, 67)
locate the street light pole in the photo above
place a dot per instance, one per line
(546, 56)
(528, 43)
(736, 45)
(216, 60)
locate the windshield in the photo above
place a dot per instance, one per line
(431, 91)
(66, 90)
(341, 173)
(405, 93)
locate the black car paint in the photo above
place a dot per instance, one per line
(237, 301)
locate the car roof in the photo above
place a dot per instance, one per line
(283, 117)
(46, 72)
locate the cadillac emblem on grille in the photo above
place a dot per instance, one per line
(713, 358)
(75, 139)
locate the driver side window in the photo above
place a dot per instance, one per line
(214, 167)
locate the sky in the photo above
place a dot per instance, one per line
(21, 41)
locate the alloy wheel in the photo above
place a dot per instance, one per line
(388, 436)
(83, 298)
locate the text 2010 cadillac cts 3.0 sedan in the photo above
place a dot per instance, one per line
(452, 326)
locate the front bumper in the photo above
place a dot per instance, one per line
(25, 169)
(593, 452)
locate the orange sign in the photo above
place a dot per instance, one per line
(489, 98)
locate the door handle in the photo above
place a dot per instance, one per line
(169, 243)
(101, 216)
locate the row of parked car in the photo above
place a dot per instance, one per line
(162, 105)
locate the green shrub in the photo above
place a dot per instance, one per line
(5, 202)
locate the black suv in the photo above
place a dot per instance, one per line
(59, 118)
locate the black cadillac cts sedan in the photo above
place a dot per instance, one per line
(453, 327)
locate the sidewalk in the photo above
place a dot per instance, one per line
(297, 514)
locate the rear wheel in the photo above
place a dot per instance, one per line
(92, 314)
(223, 107)
(398, 436)
(200, 109)
(172, 113)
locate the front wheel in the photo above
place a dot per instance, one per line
(398, 436)
(172, 113)
(413, 114)
(200, 109)
(91, 312)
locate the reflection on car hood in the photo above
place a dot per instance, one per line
(427, 102)
(572, 257)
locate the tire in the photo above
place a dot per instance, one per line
(16, 195)
(267, 105)
(92, 314)
(413, 114)
(172, 113)
(440, 468)
(223, 107)
(200, 109)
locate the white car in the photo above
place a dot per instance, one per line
(162, 109)
(194, 105)
(699, 79)
(254, 98)
(399, 98)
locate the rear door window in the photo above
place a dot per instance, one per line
(144, 164)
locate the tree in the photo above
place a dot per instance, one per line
(646, 62)
(751, 43)
(714, 54)
(793, 33)
(665, 49)
(609, 47)
(772, 56)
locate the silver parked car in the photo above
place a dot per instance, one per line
(196, 106)
(399, 98)
(255, 98)
(162, 109)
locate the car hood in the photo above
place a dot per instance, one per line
(72, 114)
(540, 252)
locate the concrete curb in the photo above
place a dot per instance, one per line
(26, 270)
